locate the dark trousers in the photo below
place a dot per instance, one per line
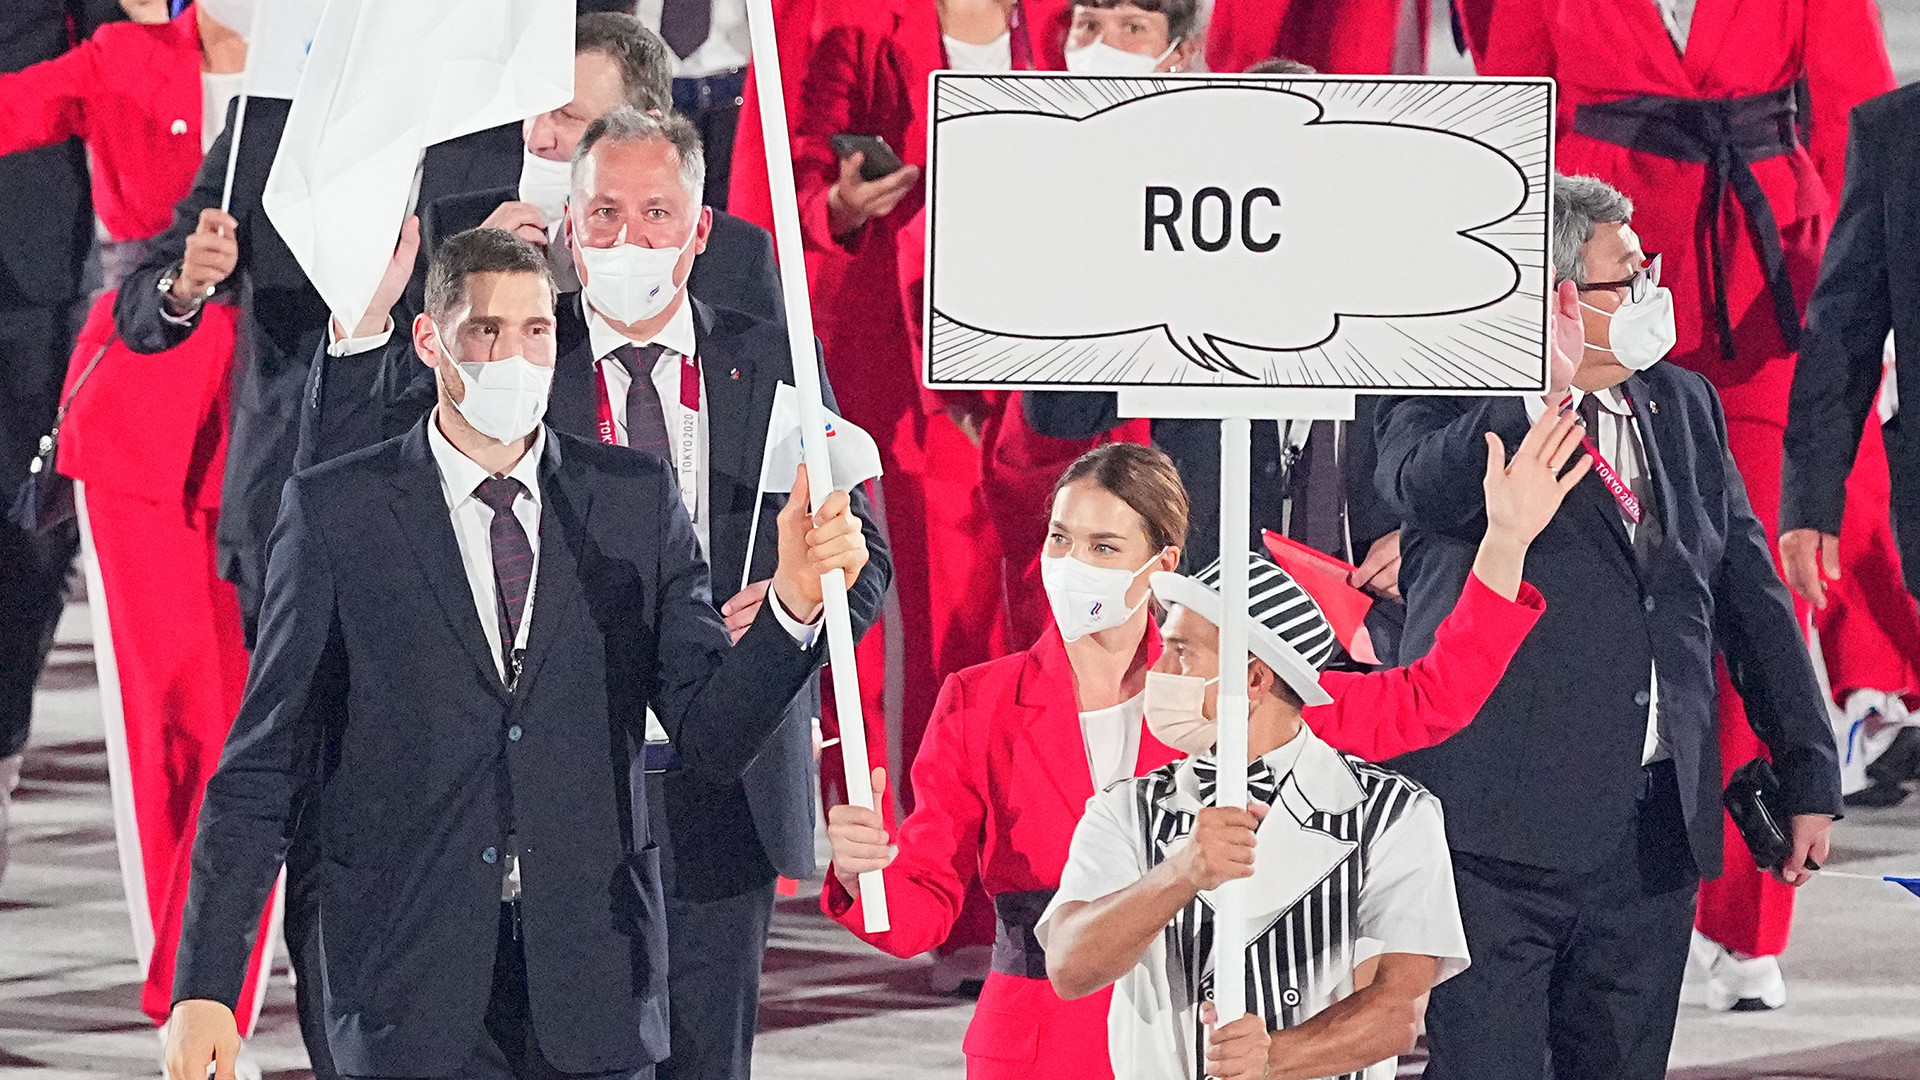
(1575, 975)
(714, 950)
(509, 1050)
(713, 105)
(33, 569)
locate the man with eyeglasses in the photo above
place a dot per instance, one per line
(1583, 803)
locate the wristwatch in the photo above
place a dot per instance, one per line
(165, 285)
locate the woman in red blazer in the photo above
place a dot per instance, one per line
(1018, 745)
(146, 442)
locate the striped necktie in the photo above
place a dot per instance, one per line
(512, 557)
(646, 416)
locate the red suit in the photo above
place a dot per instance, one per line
(1339, 37)
(1706, 140)
(1003, 780)
(146, 440)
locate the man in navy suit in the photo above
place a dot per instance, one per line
(465, 629)
(1583, 804)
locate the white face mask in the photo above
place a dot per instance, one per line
(1087, 599)
(1642, 333)
(1101, 58)
(503, 399)
(235, 15)
(629, 283)
(545, 184)
(1176, 711)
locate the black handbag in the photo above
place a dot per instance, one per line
(44, 499)
(1753, 800)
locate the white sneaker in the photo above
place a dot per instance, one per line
(1724, 982)
(968, 963)
(9, 780)
(1702, 951)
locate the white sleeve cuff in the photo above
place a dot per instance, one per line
(802, 633)
(337, 346)
(189, 320)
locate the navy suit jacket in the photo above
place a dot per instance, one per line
(373, 693)
(1548, 774)
(731, 836)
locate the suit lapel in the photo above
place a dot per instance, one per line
(1640, 397)
(739, 401)
(574, 405)
(421, 507)
(1050, 728)
(564, 509)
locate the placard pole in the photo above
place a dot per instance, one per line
(1229, 900)
(813, 426)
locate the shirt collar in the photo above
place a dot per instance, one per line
(677, 336)
(460, 474)
(1612, 400)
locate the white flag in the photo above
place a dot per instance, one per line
(383, 81)
(853, 453)
(277, 46)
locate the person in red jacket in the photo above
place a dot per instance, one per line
(1340, 37)
(146, 442)
(1018, 745)
(1726, 123)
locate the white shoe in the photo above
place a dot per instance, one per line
(1724, 982)
(9, 780)
(969, 963)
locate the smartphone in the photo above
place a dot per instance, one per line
(880, 159)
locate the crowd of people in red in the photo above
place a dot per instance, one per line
(181, 419)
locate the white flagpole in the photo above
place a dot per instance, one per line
(806, 380)
(1229, 903)
(233, 151)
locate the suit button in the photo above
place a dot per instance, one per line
(490, 856)
(514, 733)
(1648, 604)
(1641, 698)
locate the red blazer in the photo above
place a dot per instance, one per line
(152, 424)
(1606, 50)
(868, 76)
(132, 94)
(1339, 37)
(1001, 780)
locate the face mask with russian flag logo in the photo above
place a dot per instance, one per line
(1087, 599)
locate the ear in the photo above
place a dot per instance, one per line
(1170, 559)
(426, 340)
(1183, 54)
(1260, 679)
(703, 230)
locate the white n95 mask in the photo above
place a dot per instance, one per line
(1101, 58)
(1087, 599)
(503, 399)
(1176, 711)
(545, 184)
(1642, 333)
(629, 283)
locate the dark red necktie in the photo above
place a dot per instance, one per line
(685, 24)
(646, 417)
(512, 557)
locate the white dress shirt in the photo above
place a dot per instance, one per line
(728, 46)
(1112, 737)
(460, 475)
(678, 342)
(993, 57)
(1619, 440)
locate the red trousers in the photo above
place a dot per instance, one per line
(172, 669)
(1870, 635)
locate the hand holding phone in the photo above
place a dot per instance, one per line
(872, 182)
(877, 158)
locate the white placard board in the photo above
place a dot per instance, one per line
(1361, 234)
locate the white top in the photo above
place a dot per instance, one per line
(727, 48)
(217, 91)
(1619, 442)
(1304, 872)
(1112, 736)
(995, 55)
(472, 520)
(678, 340)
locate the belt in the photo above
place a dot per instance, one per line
(698, 95)
(1015, 952)
(1727, 135)
(659, 757)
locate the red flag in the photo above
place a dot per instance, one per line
(1325, 579)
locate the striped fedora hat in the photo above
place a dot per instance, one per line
(1285, 626)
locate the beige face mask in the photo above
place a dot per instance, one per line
(1176, 711)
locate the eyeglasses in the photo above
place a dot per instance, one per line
(1639, 286)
